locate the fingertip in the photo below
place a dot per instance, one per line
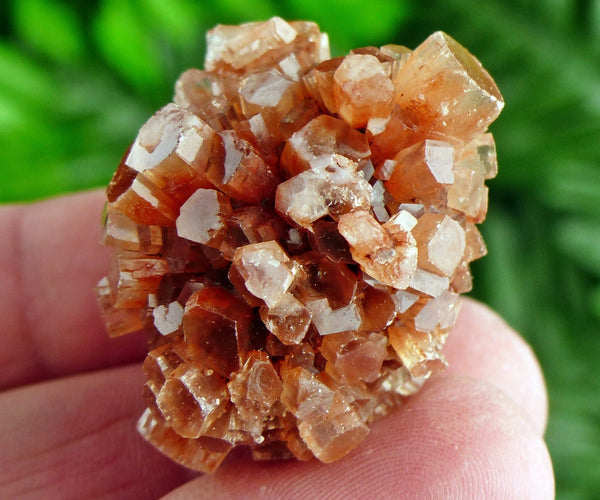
(476, 441)
(51, 260)
(473, 432)
(483, 346)
(457, 438)
(75, 438)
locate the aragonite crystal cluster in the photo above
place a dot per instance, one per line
(294, 232)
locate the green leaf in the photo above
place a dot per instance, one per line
(580, 240)
(23, 80)
(50, 28)
(11, 114)
(506, 295)
(354, 23)
(181, 22)
(595, 301)
(238, 11)
(128, 46)
(571, 186)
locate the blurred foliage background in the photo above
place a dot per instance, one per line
(77, 80)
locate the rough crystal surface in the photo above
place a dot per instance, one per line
(293, 232)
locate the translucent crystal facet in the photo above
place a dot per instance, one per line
(293, 232)
(362, 89)
(388, 256)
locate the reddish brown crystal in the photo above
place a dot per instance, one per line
(385, 252)
(293, 232)
(362, 89)
(313, 146)
(217, 329)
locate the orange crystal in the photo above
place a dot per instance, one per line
(293, 232)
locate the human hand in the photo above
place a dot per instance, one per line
(71, 397)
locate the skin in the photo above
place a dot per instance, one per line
(71, 397)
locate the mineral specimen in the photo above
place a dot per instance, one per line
(293, 233)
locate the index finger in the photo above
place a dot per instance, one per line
(50, 261)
